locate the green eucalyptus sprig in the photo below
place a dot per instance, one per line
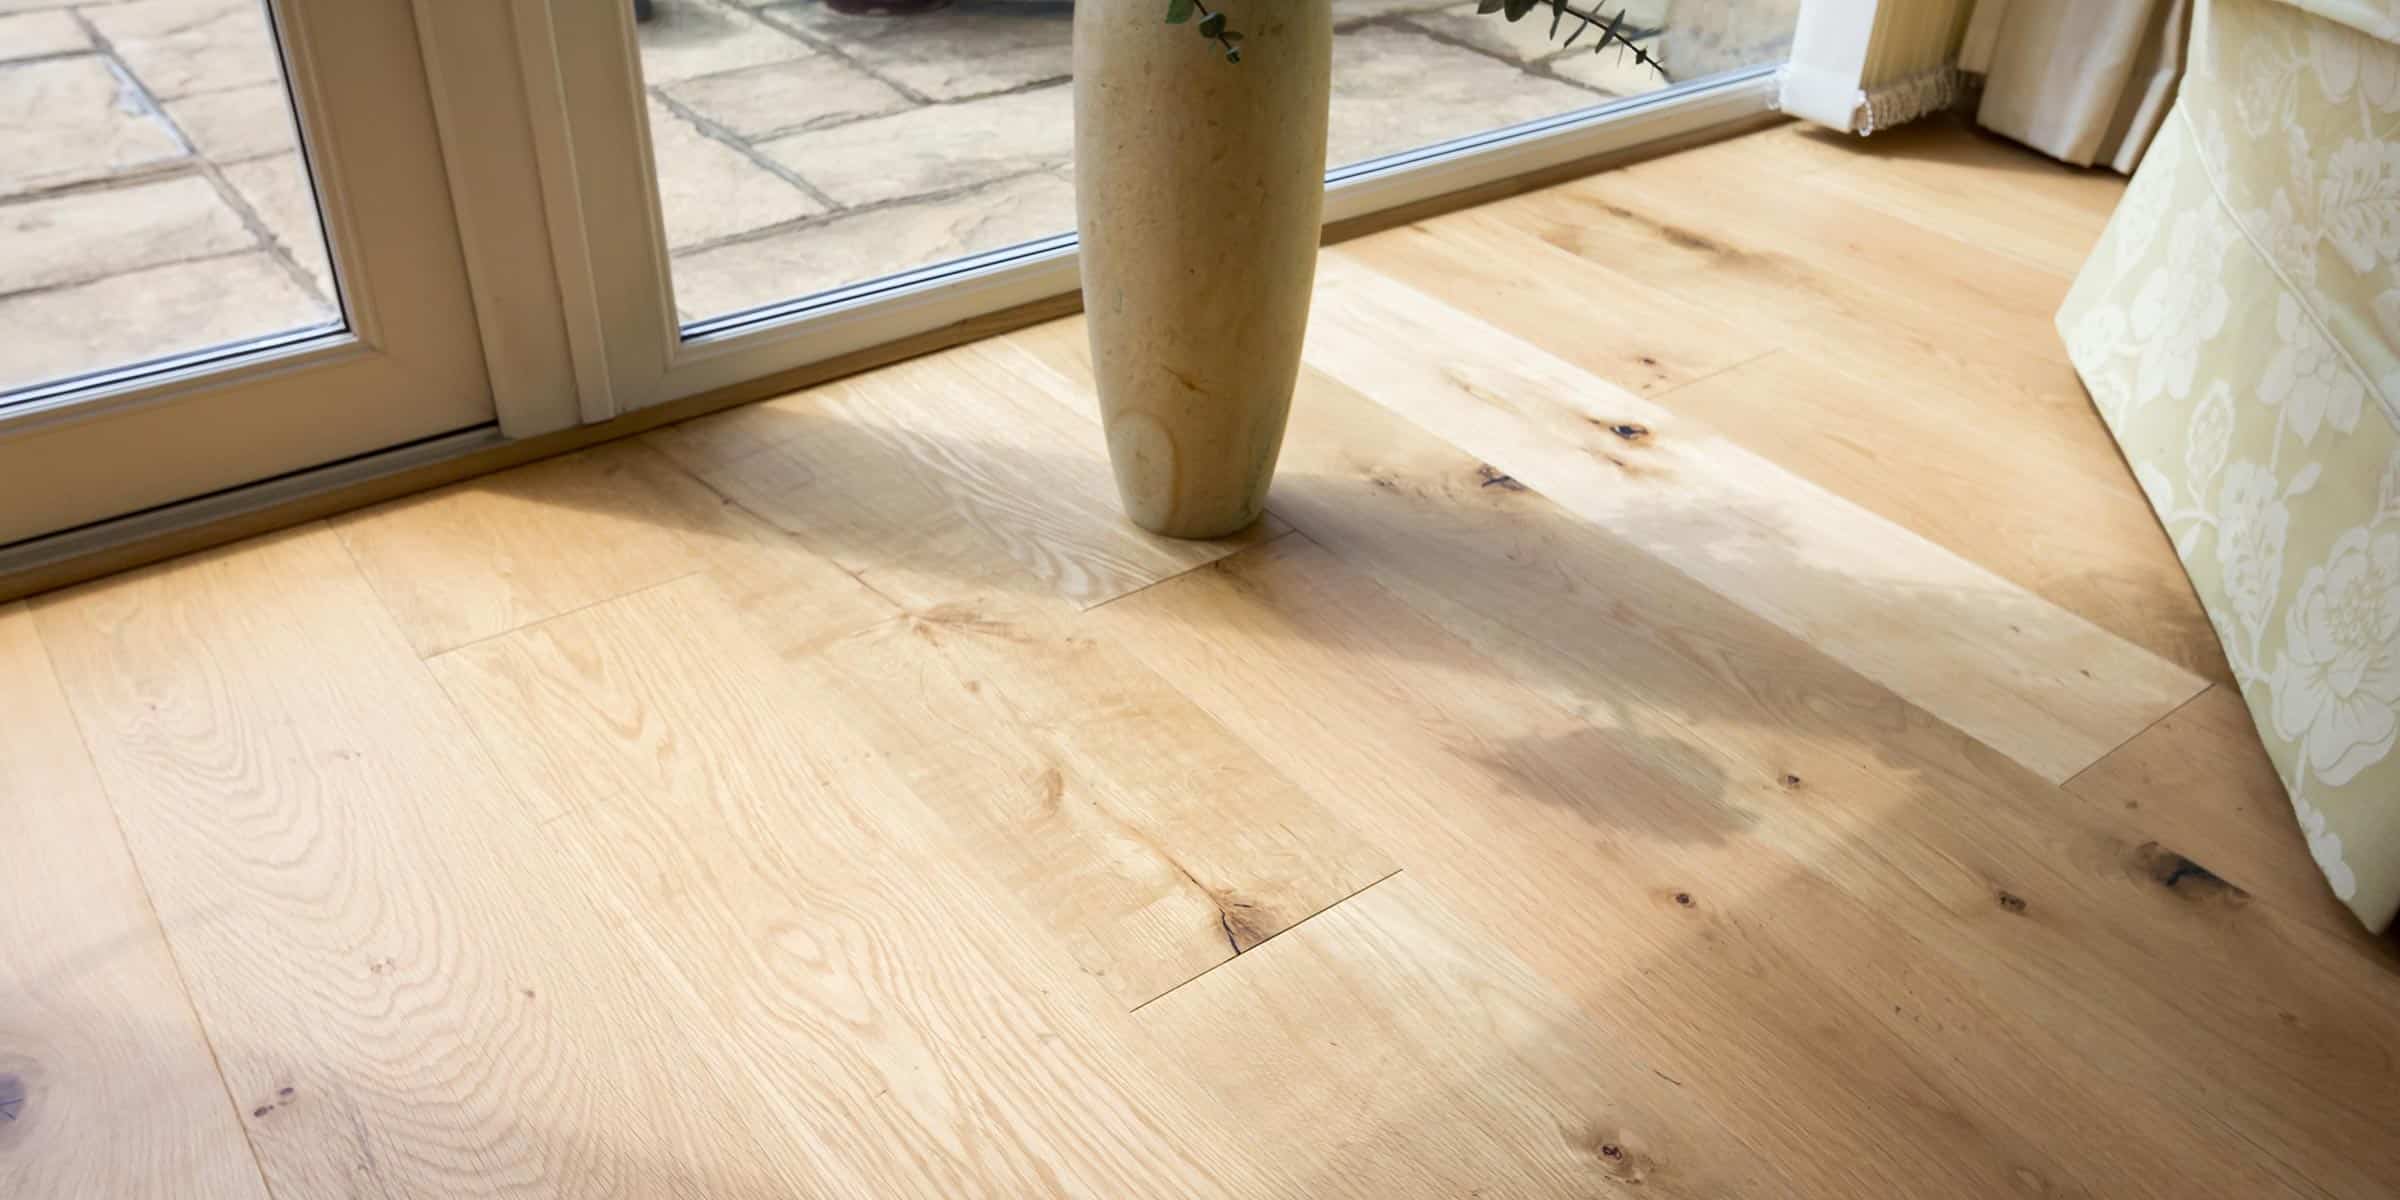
(1212, 26)
(1612, 28)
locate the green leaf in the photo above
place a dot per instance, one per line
(1491, 6)
(1212, 25)
(1179, 11)
(1517, 9)
(1233, 54)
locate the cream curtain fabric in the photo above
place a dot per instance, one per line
(2084, 81)
(2239, 328)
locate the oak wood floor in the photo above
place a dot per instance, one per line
(1710, 715)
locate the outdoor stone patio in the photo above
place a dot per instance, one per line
(870, 145)
(152, 198)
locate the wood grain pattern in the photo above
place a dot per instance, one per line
(1153, 842)
(2024, 675)
(1351, 1028)
(1631, 763)
(914, 1038)
(1836, 417)
(2202, 773)
(407, 992)
(1780, 1003)
(97, 1040)
(1805, 266)
(481, 558)
(1930, 175)
(932, 485)
(500, 683)
(2070, 532)
(1829, 257)
(1686, 681)
(1607, 320)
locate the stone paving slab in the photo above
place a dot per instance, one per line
(83, 236)
(1708, 36)
(180, 47)
(1528, 41)
(37, 34)
(68, 120)
(860, 246)
(238, 123)
(148, 314)
(1398, 89)
(709, 190)
(686, 39)
(1351, 12)
(786, 97)
(1611, 72)
(932, 149)
(968, 49)
(279, 194)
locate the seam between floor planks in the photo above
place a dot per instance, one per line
(1237, 955)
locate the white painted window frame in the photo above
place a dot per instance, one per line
(608, 235)
(405, 363)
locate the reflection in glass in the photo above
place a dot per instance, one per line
(153, 200)
(801, 149)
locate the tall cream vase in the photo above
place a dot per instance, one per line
(1200, 188)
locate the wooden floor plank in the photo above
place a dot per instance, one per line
(1704, 232)
(932, 485)
(2034, 680)
(405, 987)
(1976, 187)
(501, 683)
(1143, 836)
(1824, 764)
(2203, 772)
(1962, 157)
(1821, 241)
(1780, 1003)
(899, 1015)
(1430, 1062)
(1636, 766)
(483, 557)
(2022, 499)
(107, 1086)
(1153, 842)
(1607, 320)
(1664, 661)
(1917, 458)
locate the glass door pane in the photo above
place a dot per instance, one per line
(153, 199)
(1409, 74)
(227, 251)
(801, 146)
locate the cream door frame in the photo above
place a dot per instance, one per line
(409, 364)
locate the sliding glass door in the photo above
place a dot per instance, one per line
(226, 251)
(805, 177)
(241, 239)
(799, 148)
